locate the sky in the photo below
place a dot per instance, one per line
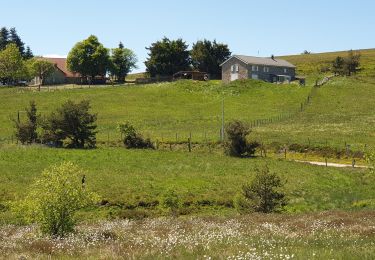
(249, 27)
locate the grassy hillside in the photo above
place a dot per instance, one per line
(308, 64)
(206, 182)
(162, 110)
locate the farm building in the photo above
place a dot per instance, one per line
(61, 75)
(248, 67)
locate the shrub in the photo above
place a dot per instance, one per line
(54, 199)
(237, 144)
(72, 122)
(263, 192)
(370, 158)
(132, 139)
(170, 201)
(26, 132)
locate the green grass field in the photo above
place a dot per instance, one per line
(206, 183)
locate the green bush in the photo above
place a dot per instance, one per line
(55, 198)
(263, 193)
(132, 139)
(72, 122)
(237, 144)
(170, 201)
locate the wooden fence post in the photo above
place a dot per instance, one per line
(189, 144)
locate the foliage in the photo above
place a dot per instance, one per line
(237, 144)
(55, 197)
(338, 66)
(89, 58)
(14, 38)
(132, 139)
(263, 192)
(171, 202)
(74, 122)
(12, 67)
(206, 56)
(167, 57)
(26, 132)
(40, 68)
(352, 62)
(123, 60)
(4, 38)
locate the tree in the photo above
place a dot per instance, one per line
(14, 38)
(12, 67)
(132, 139)
(4, 38)
(206, 56)
(54, 199)
(123, 60)
(40, 68)
(338, 65)
(263, 192)
(26, 132)
(89, 58)
(74, 122)
(237, 144)
(28, 54)
(167, 57)
(352, 62)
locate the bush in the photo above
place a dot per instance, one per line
(26, 132)
(170, 201)
(54, 199)
(132, 139)
(263, 193)
(237, 144)
(72, 122)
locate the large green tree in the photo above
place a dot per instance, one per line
(12, 66)
(89, 58)
(167, 57)
(41, 68)
(206, 56)
(123, 60)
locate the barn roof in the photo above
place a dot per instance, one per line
(61, 65)
(261, 61)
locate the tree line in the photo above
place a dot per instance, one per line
(346, 65)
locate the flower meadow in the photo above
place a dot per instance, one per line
(327, 235)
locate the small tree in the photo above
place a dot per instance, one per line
(338, 66)
(132, 139)
(54, 199)
(40, 68)
(263, 192)
(352, 62)
(26, 132)
(12, 66)
(237, 144)
(74, 122)
(123, 60)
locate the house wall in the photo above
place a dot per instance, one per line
(57, 77)
(267, 76)
(226, 70)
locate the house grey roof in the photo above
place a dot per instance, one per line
(262, 61)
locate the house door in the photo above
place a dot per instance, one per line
(233, 76)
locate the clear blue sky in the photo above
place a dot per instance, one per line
(247, 26)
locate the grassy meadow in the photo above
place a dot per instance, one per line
(205, 182)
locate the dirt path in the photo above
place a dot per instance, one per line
(337, 165)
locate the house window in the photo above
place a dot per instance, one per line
(255, 68)
(235, 68)
(266, 69)
(285, 70)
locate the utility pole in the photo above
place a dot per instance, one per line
(222, 121)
